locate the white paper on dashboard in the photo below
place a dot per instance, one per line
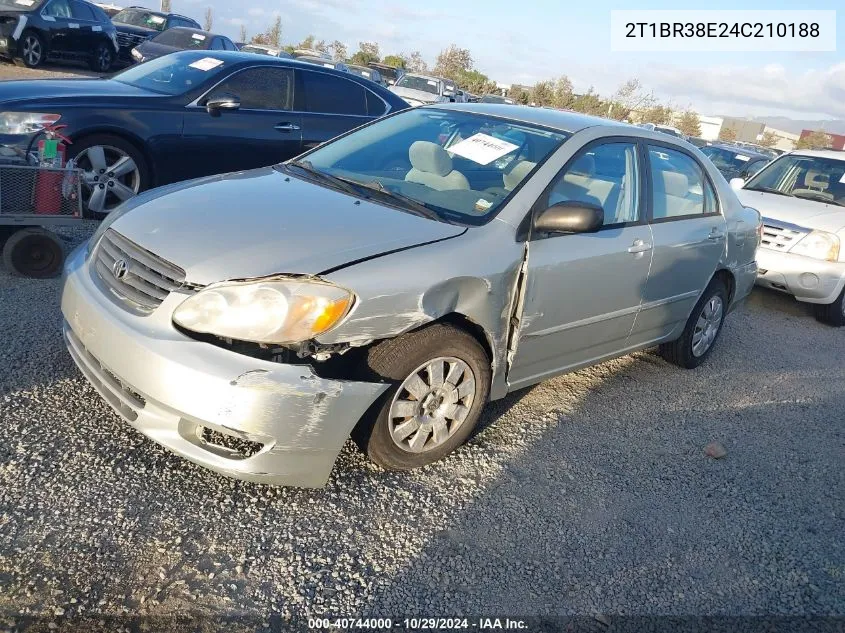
(482, 148)
(206, 63)
(744, 159)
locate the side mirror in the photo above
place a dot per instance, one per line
(570, 217)
(224, 102)
(737, 183)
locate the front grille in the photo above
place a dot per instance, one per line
(129, 40)
(134, 274)
(781, 238)
(123, 399)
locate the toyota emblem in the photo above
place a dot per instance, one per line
(120, 269)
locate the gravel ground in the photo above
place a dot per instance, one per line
(48, 71)
(589, 494)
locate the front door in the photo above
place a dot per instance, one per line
(58, 13)
(264, 131)
(583, 291)
(690, 237)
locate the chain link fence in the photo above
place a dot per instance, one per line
(40, 192)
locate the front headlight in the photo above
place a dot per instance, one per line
(265, 311)
(818, 245)
(25, 122)
(136, 55)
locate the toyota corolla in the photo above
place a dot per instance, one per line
(391, 282)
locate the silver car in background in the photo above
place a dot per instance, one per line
(390, 283)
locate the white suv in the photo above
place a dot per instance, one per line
(801, 196)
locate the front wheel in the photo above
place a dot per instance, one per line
(102, 58)
(832, 313)
(703, 328)
(441, 379)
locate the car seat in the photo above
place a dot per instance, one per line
(431, 166)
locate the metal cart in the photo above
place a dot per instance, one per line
(32, 199)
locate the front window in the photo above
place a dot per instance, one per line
(184, 39)
(415, 82)
(448, 165)
(20, 5)
(808, 177)
(172, 74)
(144, 19)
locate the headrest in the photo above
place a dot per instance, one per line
(815, 178)
(675, 184)
(517, 174)
(430, 157)
(584, 166)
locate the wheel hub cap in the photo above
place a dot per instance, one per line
(109, 177)
(707, 326)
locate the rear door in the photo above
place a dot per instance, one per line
(264, 131)
(83, 39)
(690, 237)
(58, 14)
(332, 105)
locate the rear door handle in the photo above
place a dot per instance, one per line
(715, 235)
(639, 246)
(286, 127)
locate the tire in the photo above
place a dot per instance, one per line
(30, 43)
(102, 58)
(113, 147)
(34, 252)
(683, 352)
(397, 360)
(832, 313)
(5, 233)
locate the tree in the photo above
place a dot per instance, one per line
(243, 33)
(814, 140)
(272, 36)
(657, 114)
(416, 63)
(397, 61)
(338, 49)
(209, 18)
(769, 139)
(631, 97)
(727, 134)
(590, 103)
(307, 43)
(367, 52)
(519, 94)
(453, 62)
(563, 96)
(690, 124)
(543, 93)
(166, 6)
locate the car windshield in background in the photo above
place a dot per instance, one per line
(184, 39)
(145, 19)
(260, 50)
(725, 159)
(810, 177)
(449, 165)
(415, 82)
(171, 74)
(495, 99)
(20, 5)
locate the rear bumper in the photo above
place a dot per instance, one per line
(242, 417)
(807, 279)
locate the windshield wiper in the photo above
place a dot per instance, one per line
(769, 190)
(420, 207)
(818, 198)
(339, 183)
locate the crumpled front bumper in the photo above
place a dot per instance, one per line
(180, 392)
(805, 278)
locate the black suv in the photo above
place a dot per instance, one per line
(35, 31)
(136, 25)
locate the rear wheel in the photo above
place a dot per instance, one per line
(832, 313)
(703, 328)
(102, 58)
(32, 49)
(441, 381)
(34, 252)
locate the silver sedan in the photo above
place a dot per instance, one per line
(390, 283)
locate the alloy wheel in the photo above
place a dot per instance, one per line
(707, 327)
(109, 177)
(32, 50)
(103, 59)
(431, 404)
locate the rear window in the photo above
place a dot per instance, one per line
(333, 95)
(139, 17)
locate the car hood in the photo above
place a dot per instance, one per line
(807, 213)
(151, 50)
(263, 222)
(56, 90)
(419, 95)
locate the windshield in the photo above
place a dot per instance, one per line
(259, 49)
(727, 161)
(460, 166)
(20, 5)
(184, 39)
(172, 74)
(387, 72)
(139, 17)
(415, 82)
(810, 177)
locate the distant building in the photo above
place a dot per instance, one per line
(786, 140)
(837, 140)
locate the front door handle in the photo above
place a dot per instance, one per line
(639, 246)
(286, 127)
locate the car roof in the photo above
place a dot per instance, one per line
(156, 12)
(557, 119)
(820, 153)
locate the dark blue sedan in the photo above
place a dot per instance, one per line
(185, 115)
